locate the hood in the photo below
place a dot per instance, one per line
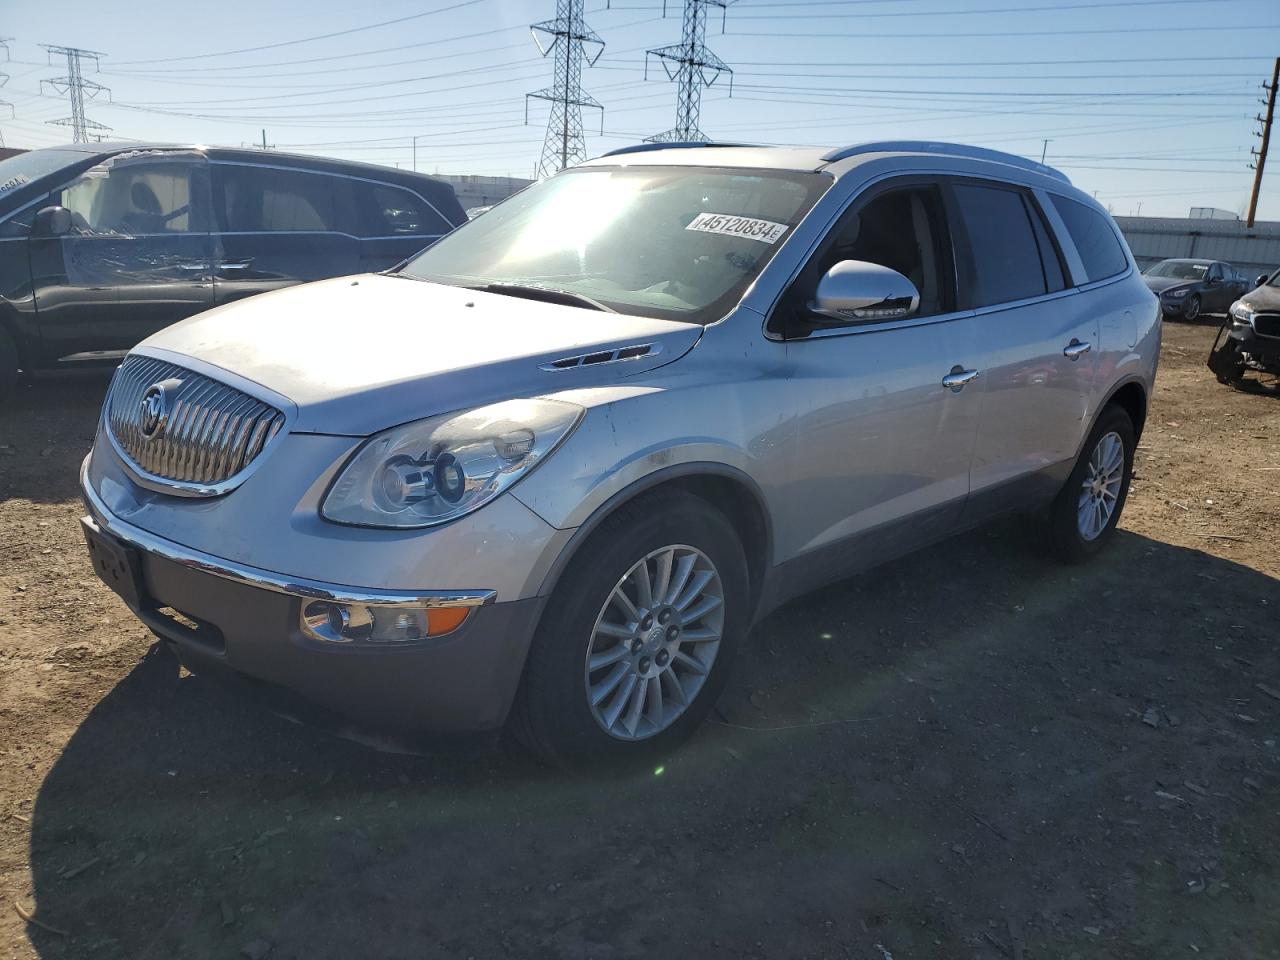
(1165, 284)
(359, 354)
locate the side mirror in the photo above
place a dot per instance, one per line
(855, 291)
(1214, 281)
(52, 221)
(1262, 278)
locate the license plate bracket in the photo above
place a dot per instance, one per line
(118, 565)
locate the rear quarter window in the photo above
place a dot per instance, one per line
(391, 211)
(1095, 240)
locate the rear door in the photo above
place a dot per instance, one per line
(394, 223)
(1037, 341)
(279, 225)
(137, 257)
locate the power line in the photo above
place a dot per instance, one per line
(319, 36)
(564, 143)
(998, 34)
(792, 15)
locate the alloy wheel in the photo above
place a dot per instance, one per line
(1100, 488)
(654, 642)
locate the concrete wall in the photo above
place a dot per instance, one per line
(1253, 251)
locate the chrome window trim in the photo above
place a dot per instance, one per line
(184, 488)
(1074, 264)
(101, 519)
(331, 173)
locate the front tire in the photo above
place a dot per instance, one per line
(1085, 513)
(637, 639)
(1191, 307)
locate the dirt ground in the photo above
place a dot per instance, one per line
(973, 752)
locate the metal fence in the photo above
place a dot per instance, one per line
(1253, 250)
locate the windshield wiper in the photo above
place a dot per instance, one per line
(549, 294)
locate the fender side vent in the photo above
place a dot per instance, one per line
(605, 356)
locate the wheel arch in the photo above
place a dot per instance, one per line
(725, 488)
(1131, 396)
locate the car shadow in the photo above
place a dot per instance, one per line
(971, 734)
(46, 428)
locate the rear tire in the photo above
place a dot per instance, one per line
(1085, 513)
(557, 714)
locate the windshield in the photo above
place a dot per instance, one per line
(1178, 270)
(678, 243)
(24, 168)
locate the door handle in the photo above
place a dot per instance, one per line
(235, 264)
(958, 377)
(1075, 349)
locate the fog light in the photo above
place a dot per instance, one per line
(355, 623)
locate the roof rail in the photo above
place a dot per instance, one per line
(677, 145)
(943, 149)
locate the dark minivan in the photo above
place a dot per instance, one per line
(101, 245)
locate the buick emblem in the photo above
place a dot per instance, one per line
(155, 410)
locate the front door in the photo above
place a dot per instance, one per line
(135, 260)
(881, 462)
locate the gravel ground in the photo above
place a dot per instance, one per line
(972, 752)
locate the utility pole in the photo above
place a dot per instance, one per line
(74, 85)
(692, 65)
(1260, 154)
(574, 44)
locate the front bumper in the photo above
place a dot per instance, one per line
(240, 622)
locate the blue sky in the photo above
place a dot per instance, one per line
(1150, 102)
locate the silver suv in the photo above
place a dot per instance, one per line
(549, 472)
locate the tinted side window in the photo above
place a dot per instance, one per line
(1005, 259)
(388, 211)
(1094, 239)
(257, 199)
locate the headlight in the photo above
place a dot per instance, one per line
(1241, 312)
(435, 470)
(1177, 294)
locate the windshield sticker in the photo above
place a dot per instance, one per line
(766, 231)
(14, 182)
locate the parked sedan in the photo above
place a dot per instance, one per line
(102, 245)
(1188, 288)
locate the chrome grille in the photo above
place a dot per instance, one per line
(211, 434)
(1266, 324)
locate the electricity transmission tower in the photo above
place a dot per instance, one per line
(4, 78)
(692, 65)
(573, 43)
(75, 86)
